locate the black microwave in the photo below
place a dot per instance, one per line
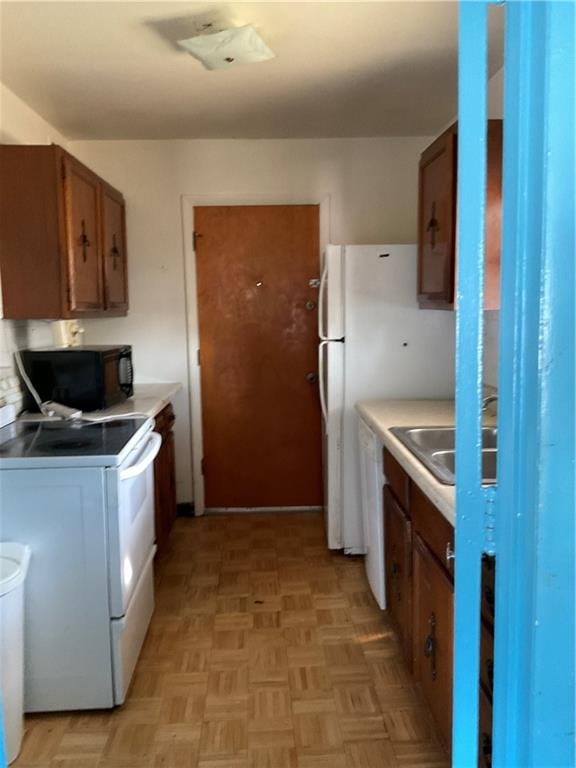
(87, 378)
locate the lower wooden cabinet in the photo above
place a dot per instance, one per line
(419, 564)
(165, 478)
(433, 635)
(398, 559)
(485, 732)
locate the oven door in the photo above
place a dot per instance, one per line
(130, 521)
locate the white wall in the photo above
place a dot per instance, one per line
(372, 184)
(21, 125)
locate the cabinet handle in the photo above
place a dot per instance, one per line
(433, 226)
(450, 554)
(114, 252)
(84, 241)
(430, 645)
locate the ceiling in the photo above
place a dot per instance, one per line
(112, 70)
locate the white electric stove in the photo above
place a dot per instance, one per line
(81, 495)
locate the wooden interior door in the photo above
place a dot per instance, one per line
(259, 355)
(114, 248)
(82, 193)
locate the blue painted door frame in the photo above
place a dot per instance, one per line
(527, 520)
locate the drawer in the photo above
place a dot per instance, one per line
(486, 658)
(165, 419)
(397, 479)
(128, 633)
(433, 527)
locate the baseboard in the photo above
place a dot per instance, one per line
(258, 510)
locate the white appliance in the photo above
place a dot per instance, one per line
(375, 343)
(371, 504)
(81, 496)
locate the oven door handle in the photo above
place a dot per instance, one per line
(154, 443)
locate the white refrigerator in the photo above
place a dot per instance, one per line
(375, 343)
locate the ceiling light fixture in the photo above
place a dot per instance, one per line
(227, 47)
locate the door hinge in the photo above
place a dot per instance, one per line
(198, 357)
(203, 466)
(195, 236)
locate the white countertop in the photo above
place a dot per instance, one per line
(148, 398)
(382, 415)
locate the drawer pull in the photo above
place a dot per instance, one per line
(430, 645)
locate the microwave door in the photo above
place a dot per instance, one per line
(126, 373)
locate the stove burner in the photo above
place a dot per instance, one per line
(67, 444)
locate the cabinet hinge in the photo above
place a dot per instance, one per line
(195, 236)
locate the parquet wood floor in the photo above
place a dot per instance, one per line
(265, 651)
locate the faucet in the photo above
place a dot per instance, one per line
(487, 400)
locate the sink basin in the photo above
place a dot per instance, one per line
(442, 438)
(447, 461)
(435, 447)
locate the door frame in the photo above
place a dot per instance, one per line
(188, 203)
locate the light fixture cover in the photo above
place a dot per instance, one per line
(237, 45)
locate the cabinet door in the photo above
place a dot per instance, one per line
(437, 223)
(165, 478)
(398, 564)
(114, 249)
(82, 214)
(433, 635)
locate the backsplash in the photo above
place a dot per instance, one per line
(22, 334)
(10, 393)
(18, 334)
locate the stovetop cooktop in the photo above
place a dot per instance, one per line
(90, 442)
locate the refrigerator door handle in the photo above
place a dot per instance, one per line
(321, 292)
(321, 383)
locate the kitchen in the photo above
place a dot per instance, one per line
(265, 647)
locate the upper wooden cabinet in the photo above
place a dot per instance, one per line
(114, 249)
(437, 214)
(62, 237)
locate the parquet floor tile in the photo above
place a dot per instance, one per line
(265, 651)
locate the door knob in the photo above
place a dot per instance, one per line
(310, 305)
(312, 377)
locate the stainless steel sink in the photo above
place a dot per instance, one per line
(435, 448)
